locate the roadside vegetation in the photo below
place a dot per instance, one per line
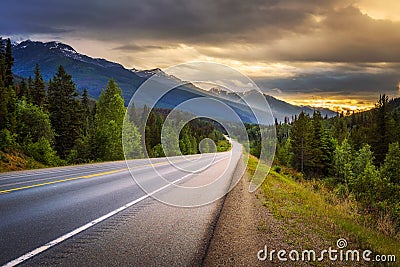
(311, 213)
(337, 177)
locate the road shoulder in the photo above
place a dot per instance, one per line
(243, 228)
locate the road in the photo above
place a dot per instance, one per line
(66, 205)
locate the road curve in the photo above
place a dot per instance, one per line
(40, 206)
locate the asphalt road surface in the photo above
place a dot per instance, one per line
(97, 214)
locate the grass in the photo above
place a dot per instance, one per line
(308, 206)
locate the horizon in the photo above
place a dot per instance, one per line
(301, 53)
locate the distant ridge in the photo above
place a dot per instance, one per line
(94, 73)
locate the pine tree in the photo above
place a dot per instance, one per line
(23, 89)
(2, 63)
(133, 116)
(170, 144)
(342, 162)
(301, 143)
(184, 142)
(29, 97)
(193, 142)
(322, 146)
(64, 111)
(317, 154)
(7, 93)
(381, 136)
(391, 167)
(9, 62)
(108, 122)
(131, 140)
(38, 88)
(3, 107)
(85, 113)
(82, 151)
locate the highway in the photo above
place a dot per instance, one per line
(51, 212)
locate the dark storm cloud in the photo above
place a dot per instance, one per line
(348, 81)
(255, 30)
(184, 20)
(136, 47)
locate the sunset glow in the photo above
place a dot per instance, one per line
(337, 105)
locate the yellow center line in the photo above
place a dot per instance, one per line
(79, 177)
(59, 181)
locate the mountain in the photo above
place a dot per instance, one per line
(94, 73)
(280, 109)
(90, 73)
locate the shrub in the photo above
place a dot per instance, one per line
(277, 168)
(7, 140)
(43, 152)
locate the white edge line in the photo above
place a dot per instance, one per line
(60, 239)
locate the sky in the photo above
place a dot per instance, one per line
(339, 54)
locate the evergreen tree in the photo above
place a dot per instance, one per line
(169, 140)
(184, 142)
(2, 64)
(85, 112)
(23, 89)
(365, 186)
(30, 90)
(301, 143)
(4, 112)
(193, 142)
(108, 122)
(131, 140)
(317, 154)
(342, 162)
(381, 135)
(133, 116)
(82, 151)
(391, 168)
(7, 93)
(9, 62)
(38, 91)
(64, 111)
(364, 156)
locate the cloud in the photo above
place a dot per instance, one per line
(277, 90)
(340, 81)
(250, 31)
(308, 47)
(137, 47)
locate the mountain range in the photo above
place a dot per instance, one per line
(94, 73)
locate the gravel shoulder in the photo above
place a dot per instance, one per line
(244, 227)
(248, 224)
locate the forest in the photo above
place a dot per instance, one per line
(51, 124)
(356, 156)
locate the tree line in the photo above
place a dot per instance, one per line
(357, 156)
(55, 125)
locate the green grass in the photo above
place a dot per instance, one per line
(308, 205)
